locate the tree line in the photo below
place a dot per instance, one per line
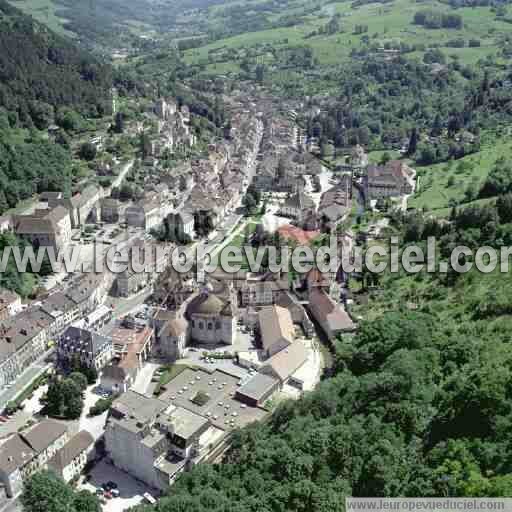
(430, 18)
(418, 406)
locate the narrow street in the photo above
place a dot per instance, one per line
(122, 175)
(26, 378)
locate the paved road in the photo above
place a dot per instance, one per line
(31, 373)
(13, 505)
(122, 175)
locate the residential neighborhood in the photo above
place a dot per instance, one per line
(255, 255)
(176, 362)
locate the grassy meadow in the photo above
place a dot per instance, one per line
(440, 183)
(386, 23)
(44, 11)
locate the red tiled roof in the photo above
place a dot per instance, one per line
(299, 235)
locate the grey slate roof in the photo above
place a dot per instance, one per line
(57, 302)
(44, 434)
(258, 386)
(84, 339)
(72, 449)
(14, 454)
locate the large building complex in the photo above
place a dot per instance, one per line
(154, 439)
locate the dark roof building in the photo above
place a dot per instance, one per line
(71, 451)
(44, 434)
(332, 317)
(257, 390)
(92, 348)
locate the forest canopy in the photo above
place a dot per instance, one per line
(41, 71)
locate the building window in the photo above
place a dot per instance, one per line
(193, 323)
(217, 325)
(210, 326)
(201, 325)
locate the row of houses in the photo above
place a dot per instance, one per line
(394, 179)
(155, 439)
(147, 259)
(47, 445)
(52, 225)
(25, 337)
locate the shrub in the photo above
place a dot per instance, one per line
(102, 405)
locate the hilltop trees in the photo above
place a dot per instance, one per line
(418, 406)
(45, 79)
(27, 168)
(437, 19)
(21, 283)
(42, 72)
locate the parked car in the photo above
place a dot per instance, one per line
(149, 498)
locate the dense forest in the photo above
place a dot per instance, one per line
(419, 404)
(41, 71)
(44, 79)
(30, 166)
(381, 104)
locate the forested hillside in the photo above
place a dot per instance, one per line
(420, 404)
(44, 79)
(106, 24)
(41, 72)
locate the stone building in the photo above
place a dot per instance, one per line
(212, 319)
(92, 349)
(46, 228)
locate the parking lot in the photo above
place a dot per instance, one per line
(95, 425)
(131, 491)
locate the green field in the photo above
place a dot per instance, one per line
(44, 12)
(440, 183)
(389, 23)
(375, 157)
(445, 212)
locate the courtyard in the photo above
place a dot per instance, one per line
(131, 491)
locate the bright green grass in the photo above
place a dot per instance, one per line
(44, 12)
(385, 23)
(445, 212)
(435, 187)
(375, 157)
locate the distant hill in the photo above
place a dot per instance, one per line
(105, 25)
(41, 71)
